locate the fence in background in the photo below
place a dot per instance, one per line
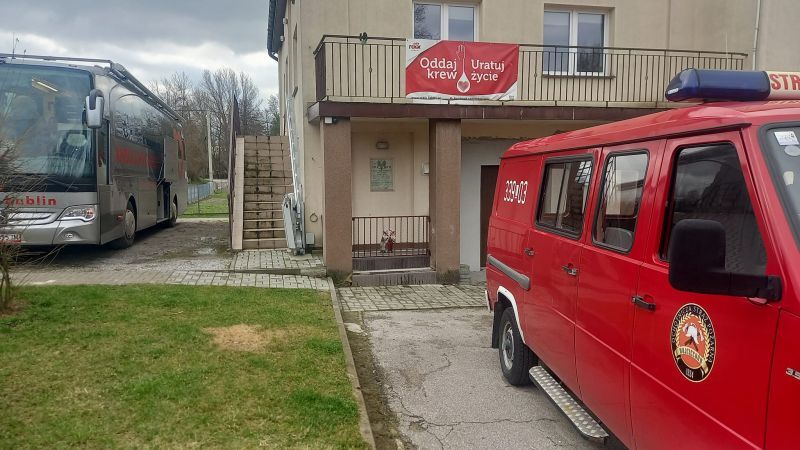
(198, 192)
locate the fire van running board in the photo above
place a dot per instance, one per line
(583, 421)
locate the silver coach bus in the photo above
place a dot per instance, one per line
(95, 156)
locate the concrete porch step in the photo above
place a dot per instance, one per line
(395, 277)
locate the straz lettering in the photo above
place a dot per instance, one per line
(38, 200)
(785, 81)
(516, 192)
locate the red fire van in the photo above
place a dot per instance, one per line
(642, 273)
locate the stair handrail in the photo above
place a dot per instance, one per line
(235, 171)
(297, 200)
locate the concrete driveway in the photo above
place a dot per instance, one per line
(443, 381)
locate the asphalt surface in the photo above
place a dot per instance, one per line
(194, 244)
(443, 380)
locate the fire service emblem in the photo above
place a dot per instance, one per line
(694, 345)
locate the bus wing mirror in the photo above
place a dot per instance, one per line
(697, 264)
(94, 109)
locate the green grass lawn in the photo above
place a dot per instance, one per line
(214, 206)
(139, 366)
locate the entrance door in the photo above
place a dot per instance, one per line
(701, 363)
(488, 184)
(555, 243)
(609, 270)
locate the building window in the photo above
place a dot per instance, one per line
(445, 21)
(574, 42)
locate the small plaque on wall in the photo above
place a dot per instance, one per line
(381, 175)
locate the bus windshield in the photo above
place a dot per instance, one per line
(43, 136)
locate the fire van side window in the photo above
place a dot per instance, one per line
(623, 183)
(564, 191)
(708, 184)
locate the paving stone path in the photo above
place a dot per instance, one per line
(189, 278)
(274, 259)
(427, 296)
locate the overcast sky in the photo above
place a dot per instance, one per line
(152, 38)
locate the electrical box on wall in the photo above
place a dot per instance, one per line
(426, 168)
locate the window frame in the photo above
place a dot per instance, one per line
(601, 192)
(666, 226)
(581, 157)
(776, 176)
(444, 24)
(572, 60)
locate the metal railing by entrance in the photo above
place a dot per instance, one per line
(391, 236)
(351, 69)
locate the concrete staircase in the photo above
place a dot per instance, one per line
(267, 179)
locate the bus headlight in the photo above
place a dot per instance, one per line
(85, 213)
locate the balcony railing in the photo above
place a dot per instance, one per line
(391, 236)
(373, 70)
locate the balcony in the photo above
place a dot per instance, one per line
(352, 70)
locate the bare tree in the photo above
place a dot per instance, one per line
(179, 92)
(216, 92)
(13, 185)
(272, 116)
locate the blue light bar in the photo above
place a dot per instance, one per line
(698, 85)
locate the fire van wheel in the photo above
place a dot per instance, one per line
(515, 357)
(129, 227)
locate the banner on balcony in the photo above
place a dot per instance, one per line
(461, 70)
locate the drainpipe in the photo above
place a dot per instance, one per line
(755, 37)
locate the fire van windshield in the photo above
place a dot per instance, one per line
(43, 137)
(782, 148)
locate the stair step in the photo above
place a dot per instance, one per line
(263, 244)
(583, 421)
(267, 189)
(270, 197)
(270, 214)
(267, 179)
(264, 234)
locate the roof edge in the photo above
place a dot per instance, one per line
(277, 11)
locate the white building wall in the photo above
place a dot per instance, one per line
(474, 154)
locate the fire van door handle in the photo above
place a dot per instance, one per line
(570, 270)
(642, 303)
(529, 251)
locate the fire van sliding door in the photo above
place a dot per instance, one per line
(609, 270)
(701, 363)
(555, 241)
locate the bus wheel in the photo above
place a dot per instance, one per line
(173, 214)
(129, 227)
(515, 357)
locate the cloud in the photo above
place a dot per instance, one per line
(153, 39)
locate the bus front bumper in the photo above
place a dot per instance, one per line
(58, 232)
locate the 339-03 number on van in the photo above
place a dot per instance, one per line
(516, 191)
